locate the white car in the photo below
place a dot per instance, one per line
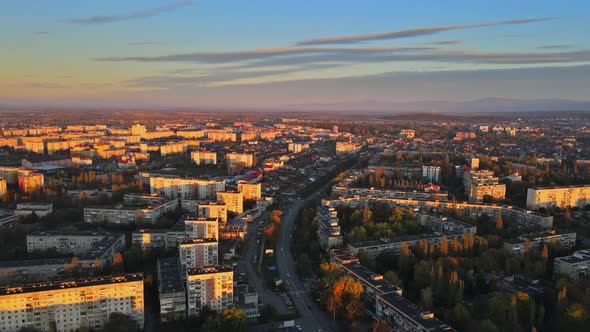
(299, 328)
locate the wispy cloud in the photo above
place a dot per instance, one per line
(556, 46)
(417, 32)
(103, 19)
(143, 43)
(442, 42)
(235, 56)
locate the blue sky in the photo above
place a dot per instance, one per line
(266, 53)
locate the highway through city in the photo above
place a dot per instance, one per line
(312, 317)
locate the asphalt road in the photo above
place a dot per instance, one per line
(312, 317)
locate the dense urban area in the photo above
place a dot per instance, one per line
(204, 221)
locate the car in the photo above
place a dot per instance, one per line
(299, 328)
(320, 330)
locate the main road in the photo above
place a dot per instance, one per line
(312, 317)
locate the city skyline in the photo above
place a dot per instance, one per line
(271, 54)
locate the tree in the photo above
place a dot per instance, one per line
(499, 222)
(392, 278)
(367, 215)
(329, 274)
(275, 216)
(426, 297)
(233, 320)
(120, 323)
(118, 262)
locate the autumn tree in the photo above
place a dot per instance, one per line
(118, 262)
(499, 222)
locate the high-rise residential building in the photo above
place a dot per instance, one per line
(209, 286)
(244, 159)
(171, 290)
(30, 182)
(234, 200)
(298, 147)
(213, 210)
(569, 196)
(73, 304)
(186, 188)
(251, 191)
(198, 252)
(138, 129)
(432, 173)
(3, 188)
(204, 157)
(201, 228)
(481, 183)
(11, 173)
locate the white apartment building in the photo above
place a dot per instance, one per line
(70, 305)
(198, 252)
(204, 157)
(234, 200)
(186, 188)
(251, 191)
(209, 286)
(569, 196)
(574, 266)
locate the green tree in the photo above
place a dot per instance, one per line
(120, 323)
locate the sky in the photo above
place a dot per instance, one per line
(269, 53)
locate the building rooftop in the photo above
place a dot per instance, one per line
(56, 285)
(413, 312)
(169, 279)
(208, 270)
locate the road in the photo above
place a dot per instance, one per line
(312, 317)
(249, 265)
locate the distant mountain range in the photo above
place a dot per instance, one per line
(478, 106)
(486, 105)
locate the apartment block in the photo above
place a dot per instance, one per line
(329, 233)
(574, 266)
(76, 243)
(233, 200)
(400, 314)
(535, 241)
(31, 182)
(198, 252)
(251, 191)
(244, 159)
(171, 291)
(431, 173)
(201, 227)
(70, 305)
(39, 209)
(561, 197)
(129, 214)
(185, 188)
(209, 286)
(204, 157)
(11, 174)
(481, 183)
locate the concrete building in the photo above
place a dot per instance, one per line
(431, 173)
(201, 227)
(3, 188)
(574, 266)
(233, 200)
(171, 291)
(128, 214)
(407, 133)
(535, 241)
(150, 238)
(400, 314)
(31, 182)
(445, 225)
(11, 174)
(198, 252)
(185, 188)
(329, 233)
(558, 197)
(481, 183)
(251, 191)
(209, 286)
(70, 305)
(347, 147)
(76, 243)
(245, 159)
(298, 147)
(206, 209)
(204, 157)
(39, 209)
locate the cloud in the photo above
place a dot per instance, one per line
(41, 33)
(103, 19)
(197, 77)
(442, 42)
(143, 43)
(556, 46)
(236, 56)
(417, 32)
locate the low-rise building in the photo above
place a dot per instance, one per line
(39, 209)
(535, 241)
(574, 266)
(149, 210)
(76, 243)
